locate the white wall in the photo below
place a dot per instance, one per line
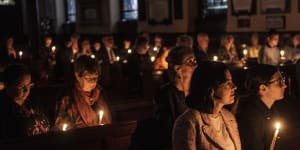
(258, 20)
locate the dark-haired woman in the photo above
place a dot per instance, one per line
(81, 106)
(19, 118)
(170, 100)
(206, 125)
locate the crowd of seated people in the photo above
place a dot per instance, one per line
(191, 97)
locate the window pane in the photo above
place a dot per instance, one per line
(7, 2)
(133, 15)
(130, 5)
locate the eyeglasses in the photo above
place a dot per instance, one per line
(281, 81)
(25, 87)
(91, 79)
(190, 62)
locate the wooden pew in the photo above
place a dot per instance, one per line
(107, 137)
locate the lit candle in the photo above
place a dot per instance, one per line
(53, 48)
(282, 52)
(152, 58)
(215, 58)
(129, 51)
(277, 127)
(245, 52)
(93, 56)
(245, 67)
(117, 58)
(155, 49)
(100, 117)
(20, 54)
(64, 127)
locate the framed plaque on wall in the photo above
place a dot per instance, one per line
(275, 22)
(275, 6)
(245, 7)
(159, 12)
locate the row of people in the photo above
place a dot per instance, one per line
(192, 101)
(190, 108)
(79, 107)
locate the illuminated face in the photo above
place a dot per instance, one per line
(203, 42)
(273, 40)
(20, 91)
(224, 94)
(276, 87)
(87, 81)
(187, 67)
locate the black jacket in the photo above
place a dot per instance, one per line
(256, 124)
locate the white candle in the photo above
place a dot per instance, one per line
(152, 58)
(53, 48)
(93, 56)
(129, 51)
(277, 127)
(20, 54)
(64, 127)
(100, 117)
(215, 58)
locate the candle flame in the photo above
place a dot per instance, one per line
(117, 58)
(20, 53)
(53, 48)
(93, 56)
(245, 52)
(129, 51)
(282, 52)
(155, 48)
(100, 113)
(152, 58)
(65, 126)
(215, 58)
(277, 125)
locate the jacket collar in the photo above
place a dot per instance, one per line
(211, 133)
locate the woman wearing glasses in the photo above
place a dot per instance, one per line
(18, 117)
(206, 125)
(170, 101)
(82, 105)
(256, 114)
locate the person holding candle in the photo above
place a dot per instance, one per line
(270, 53)
(206, 125)
(79, 108)
(227, 52)
(255, 47)
(19, 117)
(256, 113)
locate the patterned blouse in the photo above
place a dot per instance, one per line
(20, 121)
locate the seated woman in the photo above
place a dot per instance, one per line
(206, 125)
(170, 101)
(227, 51)
(80, 107)
(18, 117)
